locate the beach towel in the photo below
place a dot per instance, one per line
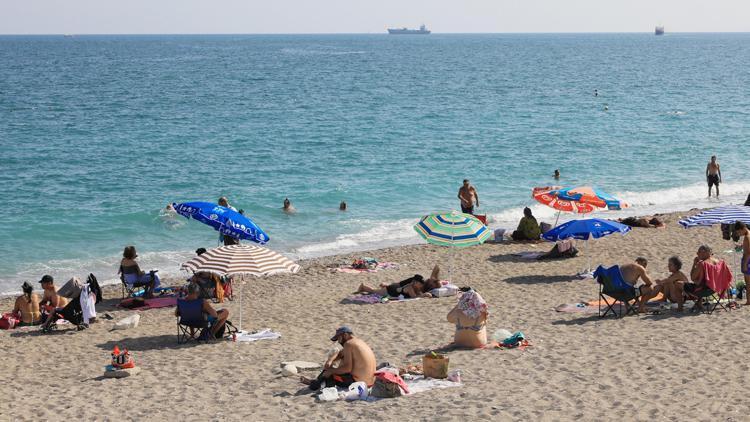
(265, 334)
(380, 266)
(369, 299)
(717, 277)
(415, 384)
(154, 303)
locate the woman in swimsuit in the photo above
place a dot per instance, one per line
(134, 276)
(470, 317)
(412, 287)
(27, 306)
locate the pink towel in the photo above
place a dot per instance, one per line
(717, 277)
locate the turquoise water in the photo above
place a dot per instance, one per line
(100, 132)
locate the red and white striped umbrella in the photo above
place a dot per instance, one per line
(242, 260)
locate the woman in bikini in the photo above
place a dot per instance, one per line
(470, 317)
(27, 306)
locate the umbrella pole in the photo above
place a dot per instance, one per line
(557, 218)
(242, 283)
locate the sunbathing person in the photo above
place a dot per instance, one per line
(134, 276)
(672, 286)
(215, 318)
(528, 228)
(470, 316)
(355, 362)
(704, 254)
(27, 307)
(412, 287)
(631, 273)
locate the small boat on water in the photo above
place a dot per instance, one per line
(659, 30)
(406, 31)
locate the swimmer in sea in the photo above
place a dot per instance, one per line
(288, 207)
(342, 206)
(596, 93)
(557, 174)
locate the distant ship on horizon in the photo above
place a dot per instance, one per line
(406, 31)
(659, 30)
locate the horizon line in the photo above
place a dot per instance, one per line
(362, 33)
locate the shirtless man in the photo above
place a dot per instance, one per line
(51, 300)
(356, 362)
(741, 230)
(713, 175)
(469, 197)
(637, 270)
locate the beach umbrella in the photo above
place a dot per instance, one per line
(584, 230)
(453, 229)
(578, 199)
(727, 214)
(548, 196)
(242, 261)
(224, 220)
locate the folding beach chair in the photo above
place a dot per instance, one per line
(713, 286)
(192, 321)
(132, 291)
(613, 286)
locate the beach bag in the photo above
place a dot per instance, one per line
(385, 389)
(9, 321)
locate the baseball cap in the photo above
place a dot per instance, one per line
(341, 330)
(46, 279)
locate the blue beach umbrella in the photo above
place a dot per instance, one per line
(727, 214)
(584, 230)
(223, 220)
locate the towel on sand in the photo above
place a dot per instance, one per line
(265, 334)
(349, 270)
(416, 384)
(154, 303)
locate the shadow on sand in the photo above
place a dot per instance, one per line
(541, 279)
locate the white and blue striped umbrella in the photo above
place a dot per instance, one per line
(722, 215)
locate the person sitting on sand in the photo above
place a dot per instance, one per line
(470, 317)
(27, 306)
(355, 362)
(288, 207)
(672, 286)
(528, 228)
(412, 287)
(51, 301)
(215, 318)
(631, 273)
(134, 276)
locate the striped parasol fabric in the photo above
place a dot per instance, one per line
(722, 215)
(452, 229)
(242, 260)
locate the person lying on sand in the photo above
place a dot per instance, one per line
(412, 287)
(470, 317)
(355, 362)
(645, 222)
(27, 306)
(631, 273)
(672, 286)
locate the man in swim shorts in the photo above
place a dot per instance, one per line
(356, 362)
(631, 273)
(468, 196)
(713, 175)
(741, 230)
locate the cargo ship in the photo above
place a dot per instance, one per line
(659, 30)
(406, 31)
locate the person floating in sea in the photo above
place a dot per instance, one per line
(557, 174)
(288, 207)
(342, 206)
(469, 197)
(713, 175)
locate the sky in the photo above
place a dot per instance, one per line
(371, 16)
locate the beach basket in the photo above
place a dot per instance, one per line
(435, 365)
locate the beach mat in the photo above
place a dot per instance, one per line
(154, 303)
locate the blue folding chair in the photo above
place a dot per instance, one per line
(192, 321)
(612, 285)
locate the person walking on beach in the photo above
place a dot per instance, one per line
(469, 197)
(356, 362)
(741, 230)
(713, 175)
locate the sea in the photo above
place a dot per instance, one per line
(99, 133)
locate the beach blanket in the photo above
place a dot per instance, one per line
(154, 303)
(265, 334)
(349, 270)
(416, 384)
(369, 299)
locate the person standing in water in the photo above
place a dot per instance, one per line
(557, 174)
(288, 207)
(469, 197)
(713, 175)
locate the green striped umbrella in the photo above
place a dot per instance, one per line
(453, 229)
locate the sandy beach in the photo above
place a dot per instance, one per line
(650, 367)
